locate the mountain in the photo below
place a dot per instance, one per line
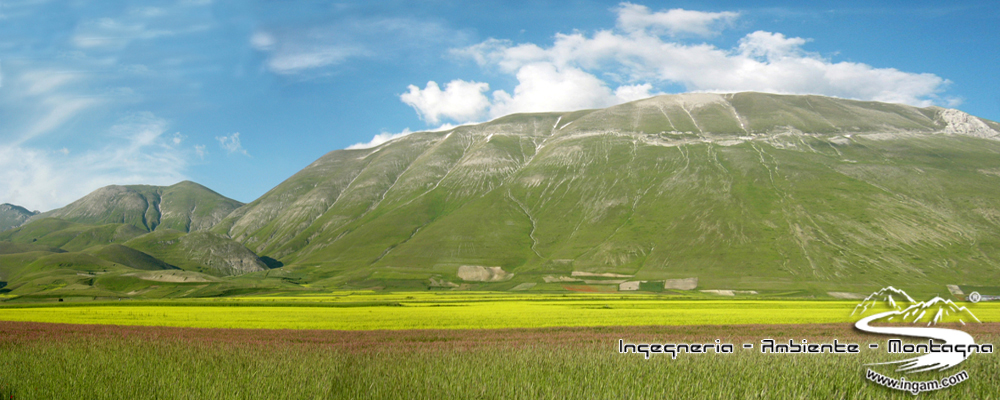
(112, 223)
(185, 206)
(742, 191)
(12, 216)
(127, 241)
(735, 193)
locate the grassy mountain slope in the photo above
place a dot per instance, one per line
(185, 206)
(747, 191)
(130, 257)
(202, 252)
(53, 258)
(32, 271)
(70, 236)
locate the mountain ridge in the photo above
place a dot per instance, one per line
(749, 192)
(432, 174)
(955, 122)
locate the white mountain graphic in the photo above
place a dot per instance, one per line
(894, 298)
(930, 312)
(888, 305)
(937, 310)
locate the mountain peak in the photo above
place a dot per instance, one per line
(185, 206)
(12, 216)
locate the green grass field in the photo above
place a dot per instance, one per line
(46, 361)
(437, 345)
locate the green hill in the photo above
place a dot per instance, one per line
(203, 252)
(80, 250)
(130, 257)
(185, 206)
(70, 236)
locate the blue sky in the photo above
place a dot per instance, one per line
(240, 95)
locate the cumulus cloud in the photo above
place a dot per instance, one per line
(770, 46)
(232, 144)
(627, 93)
(385, 137)
(379, 139)
(460, 100)
(608, 67)
(545, 87)
(637, 18)
(138, 150)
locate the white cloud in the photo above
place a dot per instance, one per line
(137, 24)
(199, 149)
(541, 87)
(45, 100)
(638, 18)
(460, 100)
(770, 46)
(296, 52)
(627, 93)
(385, 137)
(545, 87)
(291, 62)
(116, 34)
(263, 41)
(232, 143)
(302, 50)
(60, 110)
(138, 151)
(45, 81)
(379, 139)
(614, 66)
